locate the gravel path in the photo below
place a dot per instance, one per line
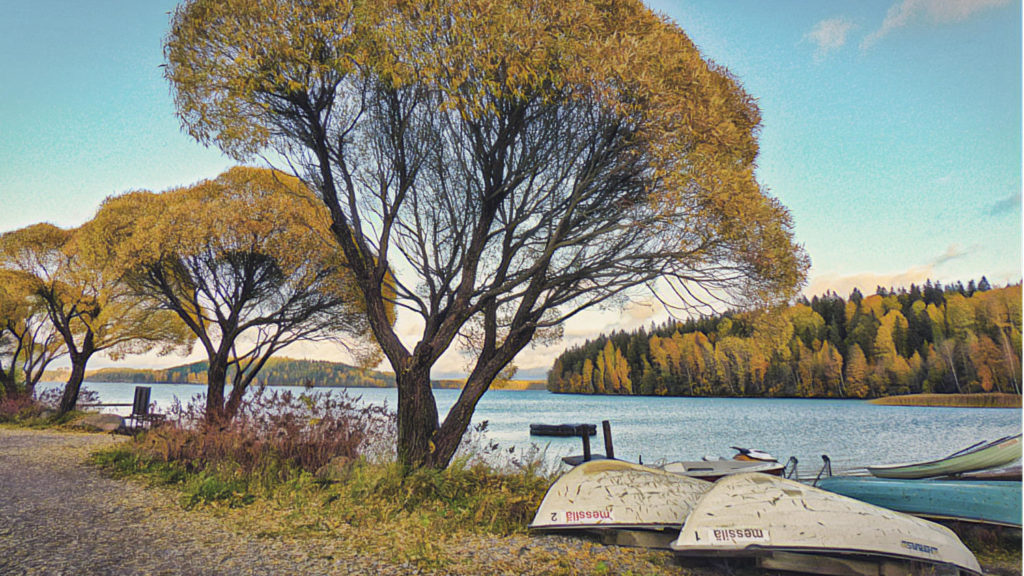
(59, 516)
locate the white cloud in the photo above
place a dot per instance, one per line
(928, 11)
(867, 282)
(829, 35)
(948, 11)
(953, 251)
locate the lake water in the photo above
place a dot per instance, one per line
(853, 433)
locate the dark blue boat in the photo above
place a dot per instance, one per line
(564, 430)
(982, 501)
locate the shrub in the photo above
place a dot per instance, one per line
(26, 409)
(50, 398)
(19, 408)
(273, 436)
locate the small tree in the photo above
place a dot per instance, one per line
(86, 303)
(10, 343)
(512, 163)
(28, 340)
(243, 261)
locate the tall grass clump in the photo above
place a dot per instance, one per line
(987, 400)
(333, 459)
(274, 438)
(325, 464)
(471, 497)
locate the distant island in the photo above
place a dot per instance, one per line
(277, 372)
(929, 339)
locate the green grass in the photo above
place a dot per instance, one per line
(366, 506)
(991, 400)
(462, 498)
(370, 503)
(997, 549)
(214, 486)
(42, 421)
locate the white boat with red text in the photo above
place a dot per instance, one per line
(627, 503)
(786, 525)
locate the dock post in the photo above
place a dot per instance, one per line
(586, 446)
(608, 450)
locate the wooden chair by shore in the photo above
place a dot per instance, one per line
(141, 417)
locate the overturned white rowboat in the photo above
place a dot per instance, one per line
(612, 495)
(792, 526)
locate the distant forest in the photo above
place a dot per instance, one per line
(931, 339)
(278, 372)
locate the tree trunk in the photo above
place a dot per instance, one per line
(450, 435)
(74, 385)
(7, 388)
(459, 417)
(1008, 353)
(216, 378)
(417, 418)
(952, 368)
(238, 389)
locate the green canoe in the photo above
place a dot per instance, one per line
(981, 456)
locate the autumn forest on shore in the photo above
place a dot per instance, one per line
(950, 339)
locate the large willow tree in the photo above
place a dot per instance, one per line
(246, 263)
(512, 161)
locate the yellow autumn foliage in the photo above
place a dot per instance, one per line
(245, 210)
(84, 297)
(238, 66)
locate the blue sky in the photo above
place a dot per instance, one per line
(891, 128)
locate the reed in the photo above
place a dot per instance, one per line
(993, 400)
(333, 459)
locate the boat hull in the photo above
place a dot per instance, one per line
(562, 430)
(615, 494)
(987, 502)
(992, 455)
(1004, 474)
(760, 515)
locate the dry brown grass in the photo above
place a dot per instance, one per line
(993, 400)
